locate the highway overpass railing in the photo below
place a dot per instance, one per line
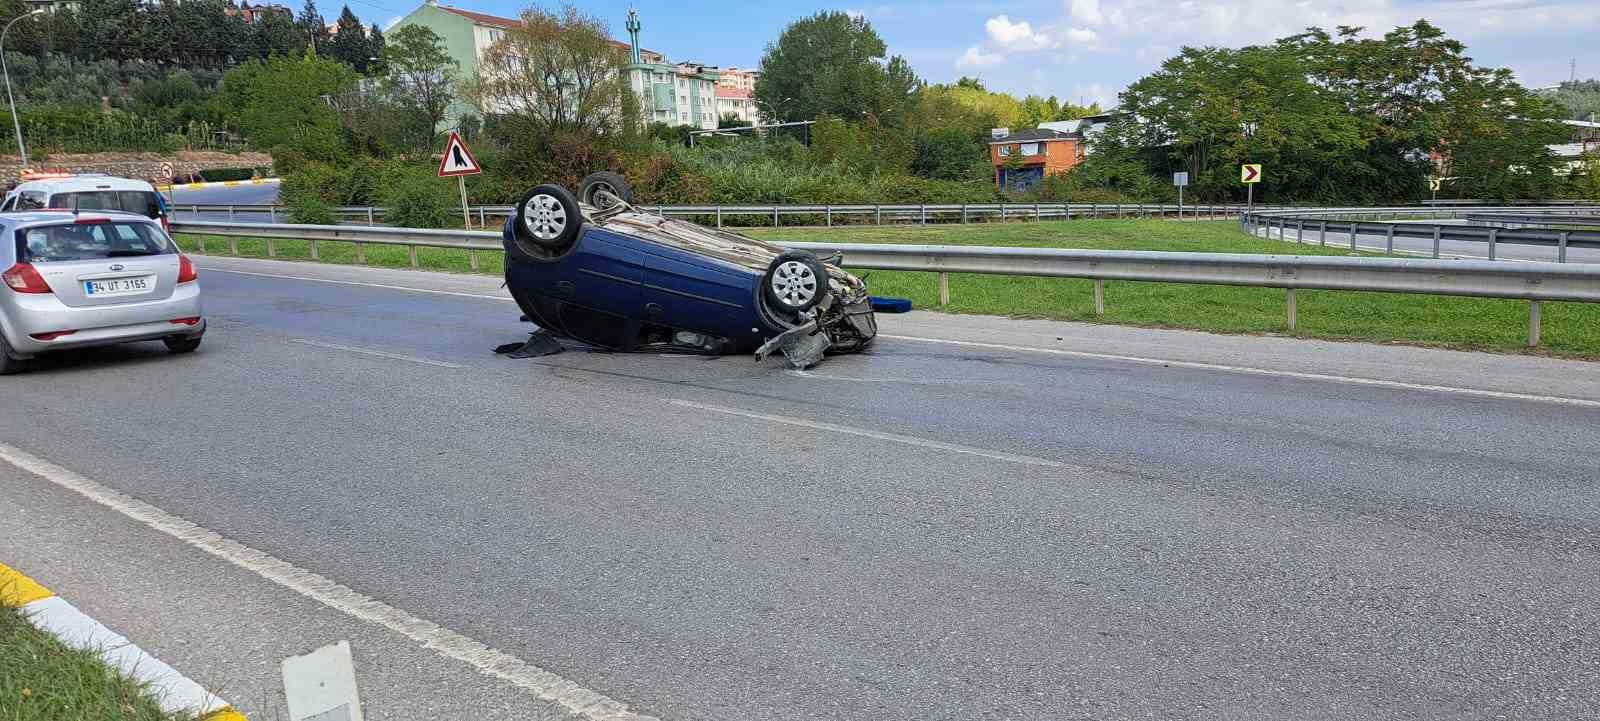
(1532, 281)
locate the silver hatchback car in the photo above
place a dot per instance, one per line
(76, 280)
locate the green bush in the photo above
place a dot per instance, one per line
(218, 174)
(415, 197)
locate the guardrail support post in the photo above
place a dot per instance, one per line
(1436, 233)
(370, 220)
(1561, 246)
(1002, 211)
(312, 244)
(1292, 311)
(412, 252)
(827, 214)
(924, 213)
(272, 214)
(472, 259)
(233, 245)
(1494, 237)
(1094, 211)
(272, 248)
(201, 244)
(1099, 296)
(230, 213)
(1353, 225)
(1322, 233)
(877, 212)
(1535, 310)
(483, 222)
(361, 253)
(1299, 231)
(1388, 240)
(1036, 212)
(963, 213)
(775, 222)
(944, 289)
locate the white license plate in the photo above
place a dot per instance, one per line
(119, 286)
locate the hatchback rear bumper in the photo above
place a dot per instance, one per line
(102, 325)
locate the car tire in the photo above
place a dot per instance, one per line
(182, 344)
(8, 364)
(613, 183)
(548, 218)
(795, 282)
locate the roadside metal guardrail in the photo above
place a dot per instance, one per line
(1349, 223)
(877, 214)
(1519, 220)
(1532, 281)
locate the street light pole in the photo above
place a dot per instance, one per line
(22, 150)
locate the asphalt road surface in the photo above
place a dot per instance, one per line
(979, 519)
(247, 194)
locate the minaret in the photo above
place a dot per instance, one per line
(633, 33)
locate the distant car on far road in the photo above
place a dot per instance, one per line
(73, 280)
(82, 192)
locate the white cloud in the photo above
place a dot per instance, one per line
(1087, 12)
(976, 58)
(1082, 36)
(1016, 36)
(1094, 93)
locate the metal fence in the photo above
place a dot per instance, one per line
(1344, 225)
(1535, 281)
(779, 215)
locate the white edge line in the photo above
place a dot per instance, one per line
(377, 353)
(877, 435)
(547, 687)
(1502, 395)
(173, 691)
(356, 283)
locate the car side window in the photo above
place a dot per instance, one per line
(30, 200)
(7, 205)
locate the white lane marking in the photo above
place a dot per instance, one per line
(570, 698)
(1501, 395)
(877, 435)
(378, 353)
(811, 375)
(356, 283)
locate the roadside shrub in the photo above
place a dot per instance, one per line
(218, 174)
(415, 197)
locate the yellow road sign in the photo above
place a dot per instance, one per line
(1433, 183)
(1250, 173)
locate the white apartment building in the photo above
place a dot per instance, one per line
(737, 101)
(737, 79)
(671, 93)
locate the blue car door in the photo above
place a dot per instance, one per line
(692, 292)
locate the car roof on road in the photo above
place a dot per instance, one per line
(78, 183)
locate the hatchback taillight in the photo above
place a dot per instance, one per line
(186, 271)
(23, 278)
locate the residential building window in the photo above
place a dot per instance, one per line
(1005, 151)
(1030, 149)
(683, 117)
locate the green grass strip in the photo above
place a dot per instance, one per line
(42, 680)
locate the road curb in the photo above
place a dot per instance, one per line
(173, 691)
(218, 184)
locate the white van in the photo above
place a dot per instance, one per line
(87, 192)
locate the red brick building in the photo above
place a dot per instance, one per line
(1042, 152)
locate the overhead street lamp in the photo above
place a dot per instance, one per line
(22, 150)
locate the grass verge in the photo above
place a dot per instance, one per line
(42, 680)
(1569, 330)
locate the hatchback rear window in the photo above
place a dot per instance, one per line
(132, 201)
(90, 241)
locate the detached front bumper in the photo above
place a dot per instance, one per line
(99, 325)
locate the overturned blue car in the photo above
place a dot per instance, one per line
(591, 268)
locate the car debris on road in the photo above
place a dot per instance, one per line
(594, 269)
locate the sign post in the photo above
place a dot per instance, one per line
(1250, 174)
(1180, 180)
(459, 163)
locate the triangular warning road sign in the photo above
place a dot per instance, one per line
(456, 160)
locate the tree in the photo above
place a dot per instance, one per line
(1580, 99)
(277, 35)
(833, 64)
(420, 78)
(286, 102)
(557, 72)
(350, 42)
(314, 28)
(732, 120)
(375, 48)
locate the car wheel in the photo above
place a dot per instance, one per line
(795, 282)
(8, 364)
(594, 188)
(548, 217)
(182, 344)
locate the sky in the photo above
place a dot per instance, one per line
(1085, 50)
